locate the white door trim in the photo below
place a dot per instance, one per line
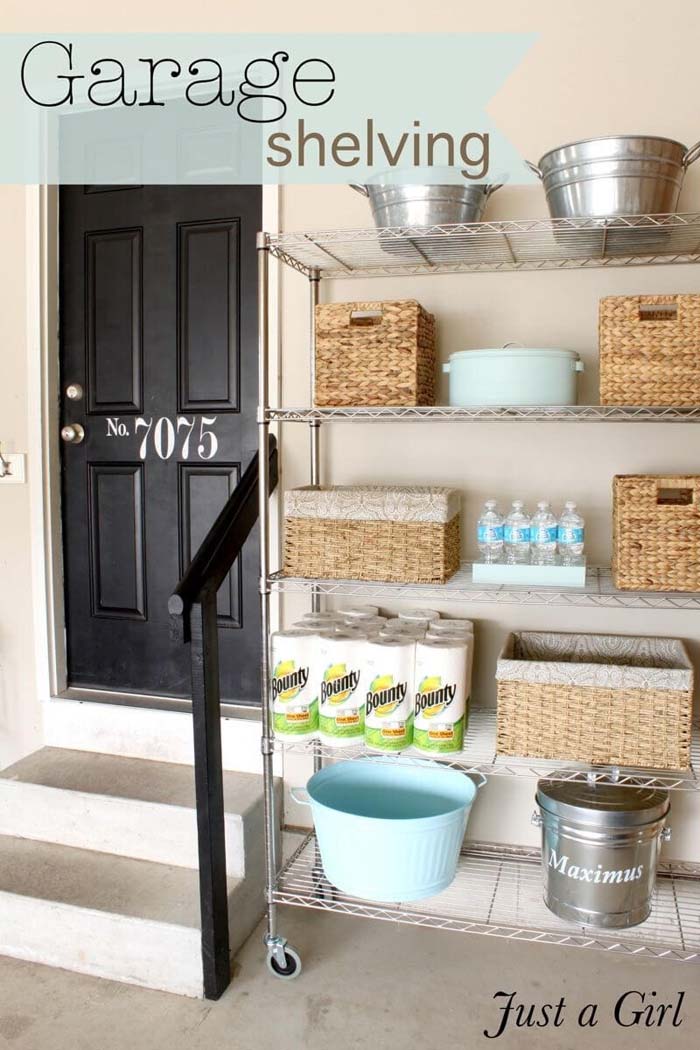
(43, 453)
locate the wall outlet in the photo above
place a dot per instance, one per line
(16, 474)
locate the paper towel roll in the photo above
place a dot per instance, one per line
(321, 619)
(420, 615)
(390, 666)
(411, 628)
(452, 627)
(303, 625)
(294, 682)
(369, 624)
(441, 687)
(357, 612)
(342, 687)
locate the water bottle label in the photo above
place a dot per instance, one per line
(569, 534)
(490, 533)
(516, 534)
(544, 534)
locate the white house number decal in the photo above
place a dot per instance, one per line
(164, 435)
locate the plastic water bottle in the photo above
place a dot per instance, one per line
(570, 533)
(543, 534)
(489, 532)
(516, 534)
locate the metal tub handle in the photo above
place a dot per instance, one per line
(359, 189)
(297, 796)
(534, 169)
(691, 155)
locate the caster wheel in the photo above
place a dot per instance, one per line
(291, 968)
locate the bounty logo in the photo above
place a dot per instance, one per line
(433, 698)
(288, 680)
(383, 696)
(338, 684)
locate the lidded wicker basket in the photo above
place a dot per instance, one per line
(601, 699)
(392, 533)
(650, 350)
(656, 532)
(374, 353)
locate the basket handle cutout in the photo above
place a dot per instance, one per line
(658, 311)
(667, 497)
(365, 318)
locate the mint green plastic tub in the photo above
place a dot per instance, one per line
(389, 829)
(513, 375)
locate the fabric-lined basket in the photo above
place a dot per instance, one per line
(374, 353)
(393, 533)
(650, 350)
(602, 699)
(656, 532)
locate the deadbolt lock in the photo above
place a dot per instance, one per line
(74, 392)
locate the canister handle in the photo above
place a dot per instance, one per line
(446, 366)
(359, 189)
(535, 170)
(536, 819)
(578, 365)
(294, 792)
(665, 834)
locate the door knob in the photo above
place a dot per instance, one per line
(73, 434)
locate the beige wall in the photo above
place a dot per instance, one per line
(596, 68)
(20, 716)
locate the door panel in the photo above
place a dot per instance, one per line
(203, 489)
(117, 548)
(208, 311)
(159, 326)
(113, 309)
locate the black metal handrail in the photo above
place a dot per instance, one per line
(193, 609)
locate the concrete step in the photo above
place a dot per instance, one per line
(114, 917)
(131, 807)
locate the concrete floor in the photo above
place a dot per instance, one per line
(365, 984)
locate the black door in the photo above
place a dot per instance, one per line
(159, 367)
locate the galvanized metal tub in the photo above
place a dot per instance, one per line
(600, 850)
(398, 205)
(615, 175)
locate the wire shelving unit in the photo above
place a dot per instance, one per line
(480, 756)
(487, 247)
(498, 893)
(498, 890)
(599, 591)
(488, 414)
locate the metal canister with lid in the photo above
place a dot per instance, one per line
(600, 849)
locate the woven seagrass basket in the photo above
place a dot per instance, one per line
(374, 353)
(650, 350)
(656, 532)
(392, 533)
(600, 699)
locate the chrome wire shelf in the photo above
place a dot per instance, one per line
(599, 591)
(498, 893)
(435, 413)
(479, 756)
(483, 247)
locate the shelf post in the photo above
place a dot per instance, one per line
(314, 439)
(263, 249)
(314, 426)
